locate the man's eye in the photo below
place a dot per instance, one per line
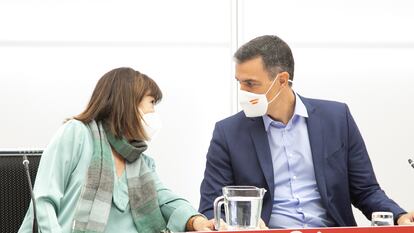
(249, 84)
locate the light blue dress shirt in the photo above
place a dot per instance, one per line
(297, 202)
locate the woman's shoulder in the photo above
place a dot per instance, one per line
(148, 160)
(72, 129)
(76, 124)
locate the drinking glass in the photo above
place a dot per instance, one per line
(382, 219)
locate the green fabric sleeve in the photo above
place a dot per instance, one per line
(57, 161)
(175, 210)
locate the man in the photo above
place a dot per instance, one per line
(307, 153)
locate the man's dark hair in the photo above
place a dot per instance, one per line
(275, 53)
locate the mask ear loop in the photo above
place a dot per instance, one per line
(272, 84)
(280, 91)
(142, 116)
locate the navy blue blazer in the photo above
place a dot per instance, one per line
(239, 154)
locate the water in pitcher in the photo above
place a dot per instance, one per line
(242, 212)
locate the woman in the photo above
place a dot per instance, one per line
(94, 177)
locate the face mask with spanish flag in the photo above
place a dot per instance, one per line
(255, 105)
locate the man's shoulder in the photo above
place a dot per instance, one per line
(233, 119)
(323, 105)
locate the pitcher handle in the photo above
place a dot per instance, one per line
(218, 202)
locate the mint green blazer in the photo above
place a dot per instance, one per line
(62, 173)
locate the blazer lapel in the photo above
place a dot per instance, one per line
(261, 144)
(316, 140)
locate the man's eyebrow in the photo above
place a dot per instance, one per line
(248, 80)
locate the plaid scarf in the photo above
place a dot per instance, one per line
(95, 202)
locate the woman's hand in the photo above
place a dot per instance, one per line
(262, 225)
(200, 223)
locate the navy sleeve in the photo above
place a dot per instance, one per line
(218, 172)
(366, 194)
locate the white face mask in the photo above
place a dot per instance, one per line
(255, 105)
(152, 124)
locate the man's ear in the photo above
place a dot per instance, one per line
(283, 78)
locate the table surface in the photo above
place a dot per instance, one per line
(387, 229)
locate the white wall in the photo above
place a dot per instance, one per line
(358, 52)
(53, 52)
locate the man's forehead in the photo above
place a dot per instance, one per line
(250, 70)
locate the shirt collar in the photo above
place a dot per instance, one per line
(300, 111)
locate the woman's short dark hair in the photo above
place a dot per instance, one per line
(115, 102)
(275, 53)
